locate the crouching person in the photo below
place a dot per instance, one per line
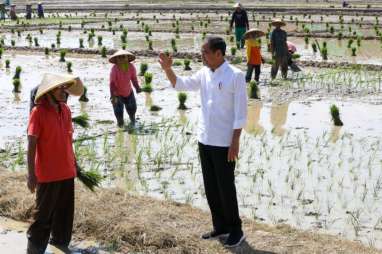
(51, 163)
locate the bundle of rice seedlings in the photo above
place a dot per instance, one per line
(143, 68)
(354, 51)
(7, 63)
(69, 67)
(148, 77)
(16, 85)
(81, 120)
(46, 51)
(177, 63)
(182, 97)
(103, 52)
(314, 47)
(17, 73)
(147, 88)
(253, 90)
(99, 38)
(62, 55)
(336, 115)
(91, 179)
(84, 96)
(155, 108)
(187, 63)
(1, 52)
(233, 51)
(81, 43)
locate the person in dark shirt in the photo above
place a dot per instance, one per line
(240, 18)
(279, 49)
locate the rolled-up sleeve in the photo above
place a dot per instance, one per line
(240, 102)
(190, 83)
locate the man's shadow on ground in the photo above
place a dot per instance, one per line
(245, 248)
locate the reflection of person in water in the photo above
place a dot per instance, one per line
(279, 114)
(253, 117)
(335, 133)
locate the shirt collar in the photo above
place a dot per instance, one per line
(220, 68)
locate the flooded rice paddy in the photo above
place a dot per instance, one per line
(295, 167)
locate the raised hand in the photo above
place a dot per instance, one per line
(165, 61)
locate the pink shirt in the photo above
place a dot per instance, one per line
(121, 81)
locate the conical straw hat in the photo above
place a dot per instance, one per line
(52, 80)
(121, 52)
(237, 5)
(253, 33)
(278, 22)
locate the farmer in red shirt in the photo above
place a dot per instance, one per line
(51, 163)
(123, 74)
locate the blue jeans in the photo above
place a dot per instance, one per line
(130, 105)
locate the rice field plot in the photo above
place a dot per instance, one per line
(295, 167)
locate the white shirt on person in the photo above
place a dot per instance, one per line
(223, 94)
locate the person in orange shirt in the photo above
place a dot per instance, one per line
(254, 59)
(51, 163)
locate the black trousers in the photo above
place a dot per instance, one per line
(130, 105)
(53, 214)
(219, 185)
(250, 68)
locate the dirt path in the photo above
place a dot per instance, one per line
(128, 223)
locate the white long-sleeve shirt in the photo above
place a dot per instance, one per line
(223, 96)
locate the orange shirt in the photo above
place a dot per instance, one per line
(54, 159)
(253, 52)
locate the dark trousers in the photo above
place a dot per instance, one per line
(131, 108)
(219, 185)
(280, 61)
(250, 68)
(53, 214)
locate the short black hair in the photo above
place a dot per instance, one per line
(216, 43)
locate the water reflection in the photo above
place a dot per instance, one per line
(335, 133)
(182, 117)
(83, 107)
(279, 114)
(17, 97)
(149, 100)
(253, 126)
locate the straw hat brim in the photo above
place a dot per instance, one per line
(278, 23)
(113, 58)
(51, 81)
(253, 33)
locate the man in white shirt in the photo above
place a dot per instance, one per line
(223, 114)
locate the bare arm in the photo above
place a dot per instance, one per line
(233, 150)
(166, 63)
(31, 154)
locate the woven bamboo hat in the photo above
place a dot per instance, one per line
(278, 22)
(238, 5)
(121, 52)
(253, 33)
(51, 81)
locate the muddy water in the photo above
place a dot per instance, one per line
(294, 167)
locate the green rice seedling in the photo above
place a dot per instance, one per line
(147, 88)
(148, 77)
(46, 50)
(233, 51)
(103, 52)
(253, 90)
(182, 97)
(99, 38)
(69, 28)
(339, 36)
(350, 42)
(177, 63)
(124, 32)
(123, 38)
(332, 30)
(81, 120)
(335, 113)
(146, 29)
(124, 45)
(81, 41)
(58, 40)
(204, 34)
(17, 72)
(53, 46)
(359, 40)
(62, 55)
(91, 179)
(173, 45)
(16, 85)
(36, 42)
(1, 52)
(13, 43)
(354, 51)
(7, 63)
(150, 45)
(19, 33)
(231, 38)
(187, 63)
(143, 68)
(314, 47)
(155, 108)
(69, 67)
(147, 38)
(306, 39)
(84, 96)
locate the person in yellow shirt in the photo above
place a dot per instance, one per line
(254, 59)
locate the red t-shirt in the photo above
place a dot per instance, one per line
(54, 153)
(120, 81)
